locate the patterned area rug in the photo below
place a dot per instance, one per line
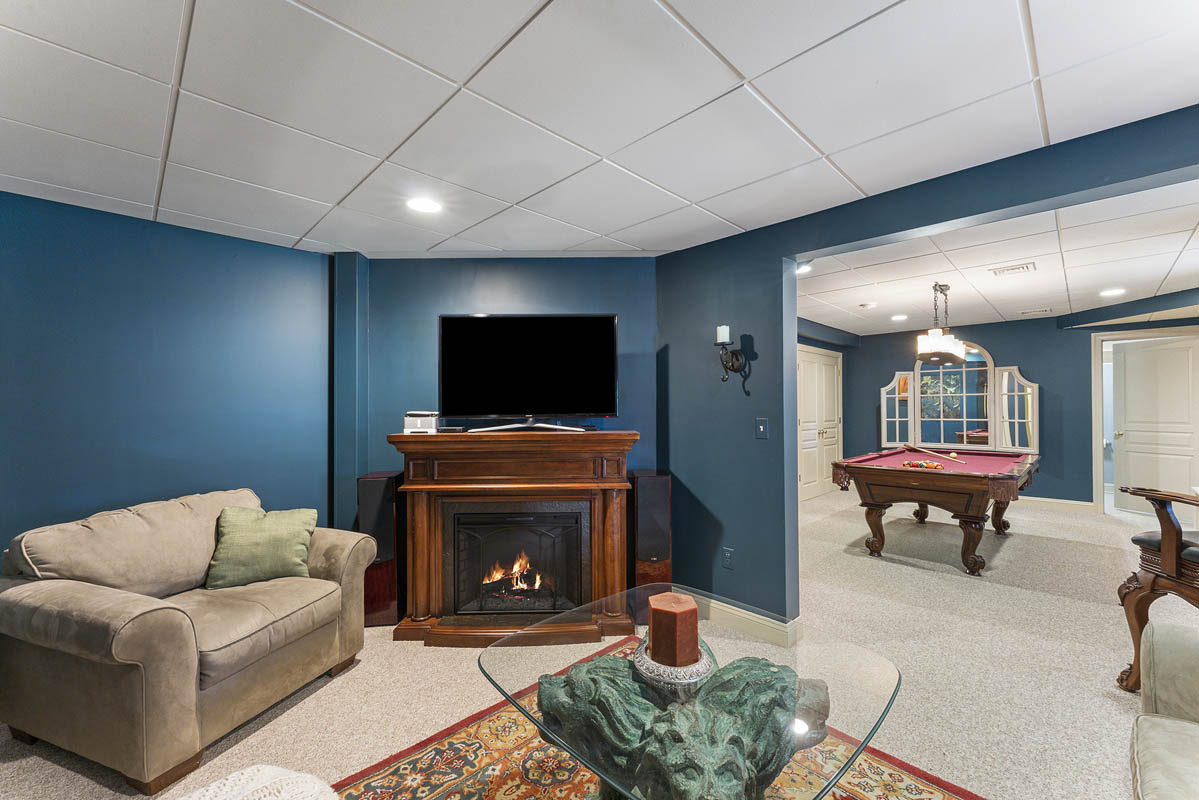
(497, 754)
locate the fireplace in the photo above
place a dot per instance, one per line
(517, 562)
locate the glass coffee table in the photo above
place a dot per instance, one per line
(784, 711)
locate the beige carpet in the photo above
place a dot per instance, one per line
(1008, 680)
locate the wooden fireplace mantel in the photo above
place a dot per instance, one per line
(516, 466)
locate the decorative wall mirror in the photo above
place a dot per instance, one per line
(974, 405)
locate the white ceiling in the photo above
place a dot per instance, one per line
(595, 127)
(1145, 243)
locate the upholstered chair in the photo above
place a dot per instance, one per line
(1165, 735)
(111, 648)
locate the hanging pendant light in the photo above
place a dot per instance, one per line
(939, 346)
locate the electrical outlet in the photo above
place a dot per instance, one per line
(726, 557)
(761, 428)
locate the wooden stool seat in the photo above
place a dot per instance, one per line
(1169, 565)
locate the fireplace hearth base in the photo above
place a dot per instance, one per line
(448, 474)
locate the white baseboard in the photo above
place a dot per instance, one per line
(776, 632)
(1071, 505)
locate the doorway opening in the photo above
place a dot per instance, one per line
(1145, 423)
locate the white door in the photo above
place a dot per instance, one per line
(819, 415)
(1156, 437)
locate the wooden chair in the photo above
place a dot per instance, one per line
(1169, 565)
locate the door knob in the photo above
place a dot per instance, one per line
(1119, 434)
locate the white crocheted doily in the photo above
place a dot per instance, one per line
(263, 782)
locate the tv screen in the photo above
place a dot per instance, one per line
(499, 365)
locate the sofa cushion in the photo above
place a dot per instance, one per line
(158, 548)
(1164, 766)
(255, 545)
(237, 626)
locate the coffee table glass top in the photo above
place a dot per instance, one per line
(775, 691)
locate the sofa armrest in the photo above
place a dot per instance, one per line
(138, 652)
(1170, 671)
(342, 557)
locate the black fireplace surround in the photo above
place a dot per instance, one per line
(517, 557)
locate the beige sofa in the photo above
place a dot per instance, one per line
(111, 648)
(1165, 736)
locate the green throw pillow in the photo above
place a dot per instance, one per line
(256, 545)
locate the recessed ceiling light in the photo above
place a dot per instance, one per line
(803, 269)
(898, 317)
(424, 205)
(1111, 292)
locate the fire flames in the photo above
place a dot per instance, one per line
(518, 573)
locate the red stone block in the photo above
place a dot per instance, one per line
(673, 629)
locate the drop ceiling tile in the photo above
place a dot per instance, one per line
(906, 268)
(996, 231)
(1153, 223)
(603, 198)
(1126, 205)
(990, 129)
(278, 60)
(601, 78)
(1025, 248)
(449, 36)
(795, 193)
(1144, 274)
(313, 246)
(55, 158)
(74, 197)
(218, 138)
(224, 228)
(891, 71)
(831, 281)
(203, 194)
(603, 243)
(140, 35)
(1065, 37)
(825, 264)
(1143, 80)
(386, 193)
(459, 245)
(735, 138)
(519, 229)
(686, 227)
(90, 100)
(474, 143)
(1153, 245)
(757, 36)
(352, 230)
(1086, 302)
(888, 252)
(836, 318)
(1184, 275)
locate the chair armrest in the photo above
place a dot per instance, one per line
(342, 557)
(1170, 671)
(1161, 495)
(99, 623)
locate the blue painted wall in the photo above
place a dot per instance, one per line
(143, 361)
(734, 491)
(406, 297)
(1059, 360)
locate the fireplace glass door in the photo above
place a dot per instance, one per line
(517, 562)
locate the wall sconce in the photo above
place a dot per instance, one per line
(731, 360)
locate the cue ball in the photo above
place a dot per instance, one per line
(953, 455)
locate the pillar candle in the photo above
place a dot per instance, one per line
(673, 629)
(722, 334)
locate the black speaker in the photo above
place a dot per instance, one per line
(381, 515)
(650, 527)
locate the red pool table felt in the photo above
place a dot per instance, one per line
(979, 461)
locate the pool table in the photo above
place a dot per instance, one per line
(991, 478)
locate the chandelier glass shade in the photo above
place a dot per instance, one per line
(939, 346)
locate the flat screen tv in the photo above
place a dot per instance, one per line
(527, 365)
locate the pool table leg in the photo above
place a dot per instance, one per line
(972, 534)
(921, 512)
(998, 509)
(874, 518)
